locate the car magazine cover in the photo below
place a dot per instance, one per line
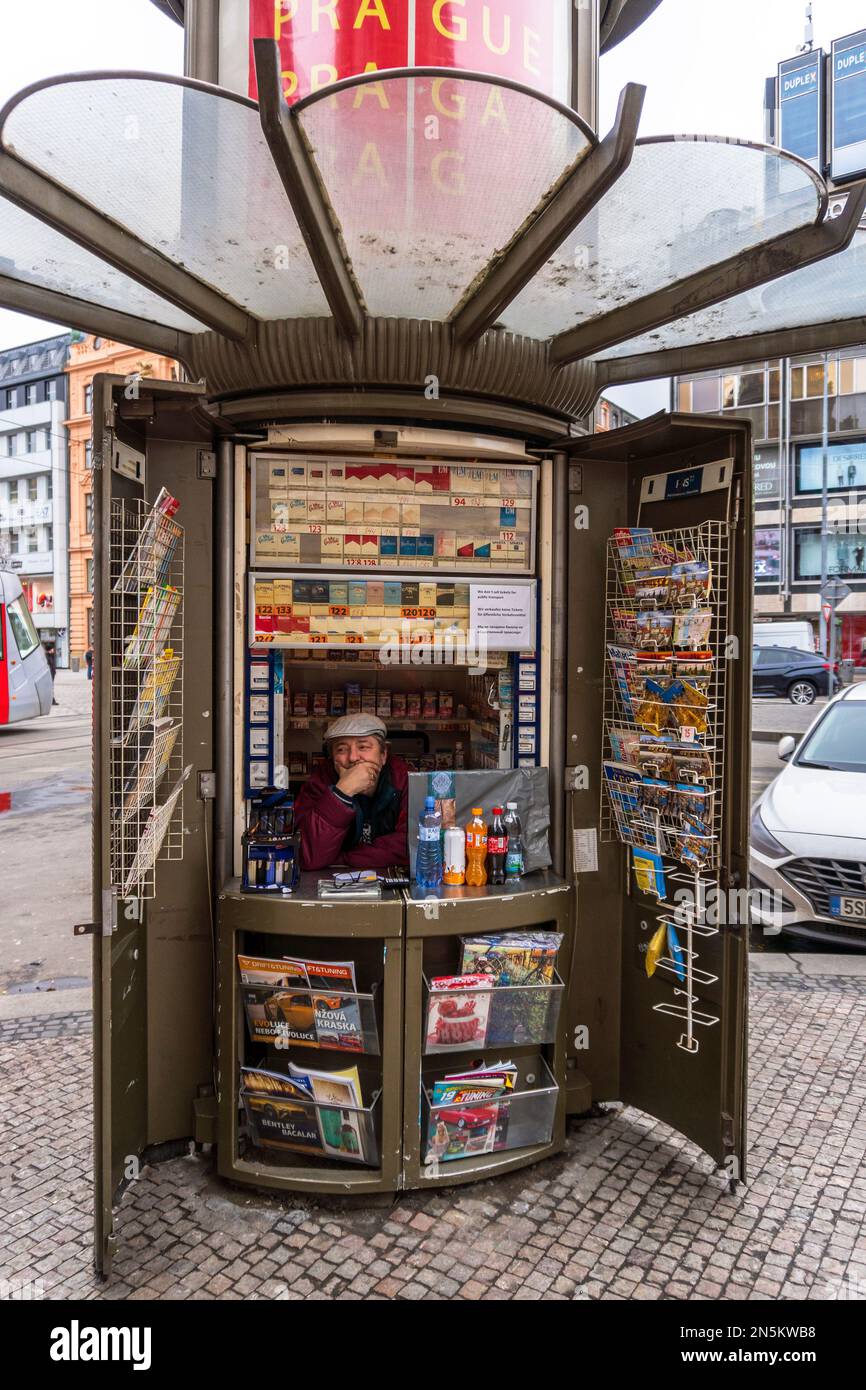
(282, 1009)
(280, 1113)
(458, 1007)
(466, 1116)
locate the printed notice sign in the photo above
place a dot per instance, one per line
(505, 613)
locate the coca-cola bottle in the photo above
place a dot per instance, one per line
(497, 848)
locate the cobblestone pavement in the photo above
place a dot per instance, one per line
(630, 1210)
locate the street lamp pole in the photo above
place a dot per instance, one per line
(825, 464)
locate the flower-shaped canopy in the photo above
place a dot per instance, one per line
(171, 214)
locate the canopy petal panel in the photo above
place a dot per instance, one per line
(182, 167)
(826, 296)
(36, 255)
(683, 205)
(430, 175)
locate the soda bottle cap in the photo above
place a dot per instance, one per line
(497, 810)
(430, 803)
(476, 810)
(512, 805)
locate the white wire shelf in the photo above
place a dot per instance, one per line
(146, 714)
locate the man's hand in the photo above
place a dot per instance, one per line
(360, 780)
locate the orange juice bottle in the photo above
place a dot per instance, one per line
(476, 850)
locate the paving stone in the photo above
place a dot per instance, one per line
(630, 1210)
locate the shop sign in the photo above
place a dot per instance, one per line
(801, 104)
(323, 41)
(767, 475)
(848, 122)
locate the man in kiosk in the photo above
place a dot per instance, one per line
(354, 808)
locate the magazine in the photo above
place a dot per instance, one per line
(455, 1022)
(467, 1116)
(279, 1112)
(512, 958)
(302, 1003)
(338, 1103)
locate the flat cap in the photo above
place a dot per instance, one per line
(356, 726)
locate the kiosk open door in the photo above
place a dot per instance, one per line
(658, 733)
(153, 701)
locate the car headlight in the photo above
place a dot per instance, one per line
(762, 840)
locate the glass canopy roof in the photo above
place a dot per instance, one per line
(185, 169)
(34, 254)
(830, 291)
(681, 206)
(430, 176)
(423, 188)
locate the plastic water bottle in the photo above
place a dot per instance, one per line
(428, 864)
(514, 850)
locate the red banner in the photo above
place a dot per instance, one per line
(322, 41)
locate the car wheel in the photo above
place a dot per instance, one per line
(802, 693)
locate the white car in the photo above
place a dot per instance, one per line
(808, 837)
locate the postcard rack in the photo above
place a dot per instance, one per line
(146, 695)
(664, 722)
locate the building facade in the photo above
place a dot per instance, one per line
(785, 401)
(610, 416)
(34, 482)
(89, 356)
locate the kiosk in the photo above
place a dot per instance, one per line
(388, 361)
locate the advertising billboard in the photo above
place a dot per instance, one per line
(768, 553)
(800, 114)
(848, 107)
(322, 41)
(846, 466)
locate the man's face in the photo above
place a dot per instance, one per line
(348, 752)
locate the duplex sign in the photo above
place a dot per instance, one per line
(848, 110)
(801, 106)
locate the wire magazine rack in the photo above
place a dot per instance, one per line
(665, 694)
(146, 725)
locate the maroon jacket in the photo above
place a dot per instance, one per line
(325, 820)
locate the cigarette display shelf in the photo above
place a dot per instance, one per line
(407, 725)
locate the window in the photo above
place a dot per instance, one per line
(838, 741)
(32, 534)
(684, 395)
(12, 398)
(32, 489)
(30, 394)
(90, 576)
(49, 486)
(774, 384)
(807, 381)
(88, 455)
(706, 394)
(846, 554)
(852, 375)
(21, 443)
(51, 390)
(846, 466)
(4, 446)
(49, 537)
(88, 513)
(88, 398)
(21, 623)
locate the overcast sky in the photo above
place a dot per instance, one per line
(703, 63)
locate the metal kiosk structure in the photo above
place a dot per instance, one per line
(476, 330)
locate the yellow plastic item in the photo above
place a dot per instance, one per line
(655, 950)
